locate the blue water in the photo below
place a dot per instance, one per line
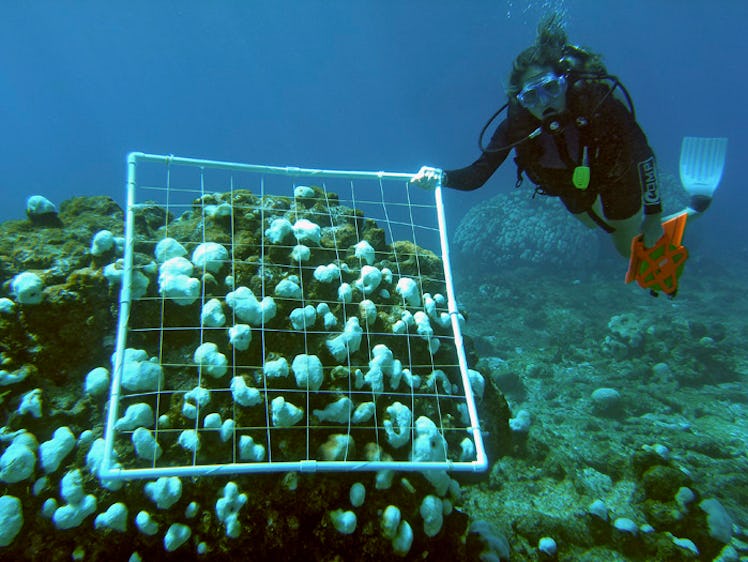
(369, 85)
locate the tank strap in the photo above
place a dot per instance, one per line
(599, 221)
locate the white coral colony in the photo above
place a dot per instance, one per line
(285, 414)
(407, 288)
(306, 231)
(370, 279)
(365, 252)
(278, 230)
(307, 370)
(175, 281)
(210, 257)
(347, 342)
(247, 308)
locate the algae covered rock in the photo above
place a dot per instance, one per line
(414, 260)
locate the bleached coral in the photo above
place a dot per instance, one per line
(210, 257)
(244, 395)
(423, 325)
(278, 230)
(212, 314)
(289, 288)
(246, 307)
(300, 253)
(347, 342)
(327, 273)
(339, 411)
(308, 371)
(303, 318)
(397, 426)
(369, 280)
(365, 252)
(328, 318)
(407, 288)
(285, 414)
(383, 364)
(249, 450)
(276, 368)
(363, 412)
(168, 248)
(368, 311)
(345, 293)
(175, 281)
(306, 231)
(240, 336)
(211, 361)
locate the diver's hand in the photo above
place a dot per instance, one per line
(427, 178)
(652, 229)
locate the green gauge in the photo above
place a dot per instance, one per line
(581, 176)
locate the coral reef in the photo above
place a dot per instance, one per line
(51, 347)
(673, 438)
(513, 229)
(652, 470)
(519, 229)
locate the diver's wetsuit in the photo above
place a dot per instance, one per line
(622, 165)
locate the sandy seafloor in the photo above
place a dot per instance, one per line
(549, 335)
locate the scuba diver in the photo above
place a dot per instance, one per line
(573, 138)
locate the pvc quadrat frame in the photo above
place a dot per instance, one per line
(165, 193)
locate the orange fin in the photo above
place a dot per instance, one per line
(659, 267)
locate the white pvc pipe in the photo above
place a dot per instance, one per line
(308, 466)
(276, 170)
(125, 302)
(481, 462)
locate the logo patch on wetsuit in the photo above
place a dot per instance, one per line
(648, 181)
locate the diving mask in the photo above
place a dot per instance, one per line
(546, 90)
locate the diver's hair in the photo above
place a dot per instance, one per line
(552, 49)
